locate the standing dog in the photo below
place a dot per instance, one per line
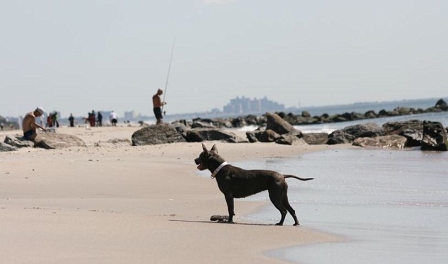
(235, 182)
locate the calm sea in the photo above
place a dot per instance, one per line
(389, 206)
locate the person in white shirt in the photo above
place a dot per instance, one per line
(113, 118)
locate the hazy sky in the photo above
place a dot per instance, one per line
(75, 56)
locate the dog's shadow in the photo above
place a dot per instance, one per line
(220, 222)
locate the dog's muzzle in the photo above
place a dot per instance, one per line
(199, 163)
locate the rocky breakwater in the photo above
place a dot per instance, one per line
(199, 130)
(426, 135)
(305, 118)
(279, 128)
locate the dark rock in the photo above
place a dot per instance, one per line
(52, 140)
(202, 124)
(180, 127)
(370, 114)
(290, 139)
(278, 125)
(398, 127)
(338, 118)
(306, 114)
(251, 137)
(238, 122)
(413, 137)
(315, 138)
(364, 130)
(389, 142)
(252, 120)
(199, 135)
(434, 136)
(156, 134)
(6, 147)
(267, 136)
(19, 142)
(441, 104)
(282, 115)
(383, 113)
(401, 111)
(339, 137)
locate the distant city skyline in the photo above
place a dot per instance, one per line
(75, 56)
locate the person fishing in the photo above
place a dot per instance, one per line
(157, 106)
(157, 102)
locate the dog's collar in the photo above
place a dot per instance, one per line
(218, 169)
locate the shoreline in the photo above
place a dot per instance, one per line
(118, 203)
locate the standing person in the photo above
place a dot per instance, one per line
(113, 118)
(29, 124)
(92, 118)
(157, 106)
(100, 119)
(54, 117)
(71, 119)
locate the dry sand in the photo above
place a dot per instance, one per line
(114, 203)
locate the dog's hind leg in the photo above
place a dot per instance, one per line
(277, 202)
(288, 207)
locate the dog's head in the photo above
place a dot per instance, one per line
(208, 159)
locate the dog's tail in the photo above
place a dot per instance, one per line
(298, 178)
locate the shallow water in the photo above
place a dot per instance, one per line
(390, 206)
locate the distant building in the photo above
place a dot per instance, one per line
(245, 105)
(131, 115)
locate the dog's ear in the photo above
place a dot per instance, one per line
(214, 148)
(204, 148)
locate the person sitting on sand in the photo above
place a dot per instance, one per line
(29, 124)
(157, 104)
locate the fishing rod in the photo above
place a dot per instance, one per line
(168, 75)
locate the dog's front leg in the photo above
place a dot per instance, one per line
(229, 201)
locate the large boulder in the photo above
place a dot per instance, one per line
(52, 140)
(291, 139)
(199, 135)
(202, 124)
(364, 130)
(315, 138)
(350, 133)
(441, 104)
(278, 125)
(385, 142)
(413, 137)
(434, 136)
(156, 134)
(398, 127)
(18, 142)
(265, 136)
(251, 136)
(339, 137)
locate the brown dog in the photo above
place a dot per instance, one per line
(235, 182)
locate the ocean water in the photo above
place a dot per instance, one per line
(388, 206)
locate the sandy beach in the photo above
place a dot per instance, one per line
(114, 203)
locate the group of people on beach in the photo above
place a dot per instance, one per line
(95, 120)
(29, 124)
